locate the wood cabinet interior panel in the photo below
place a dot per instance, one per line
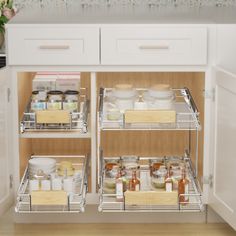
(155, 143)
(60, 146)
(144, 143)
(25, 151)
(24, 82)
(85, 82)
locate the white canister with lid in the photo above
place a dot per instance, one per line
(125, 96)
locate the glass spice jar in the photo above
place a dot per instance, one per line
(38, 101)
(70, 102)
(55, 98)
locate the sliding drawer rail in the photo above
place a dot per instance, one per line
(109, 203)
(184, 109)
(75, 121)
(74, 202)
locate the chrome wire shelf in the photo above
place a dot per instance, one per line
(108, 202)
(78, 119)
(75, 200)
(187, 115)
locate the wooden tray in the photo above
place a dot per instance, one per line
(151, 198)
(43, 198)
(150, 116)
(53, 117)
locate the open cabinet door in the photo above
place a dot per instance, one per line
(222, 196)
(6, 190)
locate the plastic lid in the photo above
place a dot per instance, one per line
(55, 92)
(71, 92)
(161, 87)
(123, 86)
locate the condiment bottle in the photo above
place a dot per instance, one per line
(168, 182)
(119, 187)
(134, 183)
(183, 188)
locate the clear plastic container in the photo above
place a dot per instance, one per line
(158, 177)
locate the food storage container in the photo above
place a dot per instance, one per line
(70, 102)
(125, 96)
(158, 177)
(55, 98)
(38, 101)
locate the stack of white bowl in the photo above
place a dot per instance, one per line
(47, 165)
(160, 97)
(125, 95)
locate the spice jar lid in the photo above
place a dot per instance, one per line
(35, 92)
(71, 92)
(55, 92)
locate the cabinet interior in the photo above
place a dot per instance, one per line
(156, 143)
(47, 146)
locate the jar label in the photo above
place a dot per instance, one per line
(37, 106)
(70, 106)
(54, 106)
(168, 187)
(119, 188)
(137, 187)
(186, 191)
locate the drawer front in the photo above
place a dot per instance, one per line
(154, 46)
(53, 46)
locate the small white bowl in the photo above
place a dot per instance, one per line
(124, 91)
(161, 91)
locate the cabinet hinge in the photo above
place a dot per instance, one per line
(11, 181)
(8, 94)
(208, 180)
(209, 94)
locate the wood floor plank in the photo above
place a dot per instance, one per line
(8, 228)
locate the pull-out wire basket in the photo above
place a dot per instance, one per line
(76, 120)
(74, 201)
(183, 108)
(109, 203)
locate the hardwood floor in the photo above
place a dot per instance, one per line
(8, 228)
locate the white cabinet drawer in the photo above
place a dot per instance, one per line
(154, 46)
(53, 46)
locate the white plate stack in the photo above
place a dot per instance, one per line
(47, 165)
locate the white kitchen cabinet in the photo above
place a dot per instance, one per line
(64, 46)
(223, 161)
(6, 167)
(154, 45)
(177, 54)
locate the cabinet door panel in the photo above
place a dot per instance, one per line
(226, 47)
(223, 191)
(5, 189)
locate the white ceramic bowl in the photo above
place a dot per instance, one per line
(124, 91)
(159, 103)
(161, 91)
(40, 162)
